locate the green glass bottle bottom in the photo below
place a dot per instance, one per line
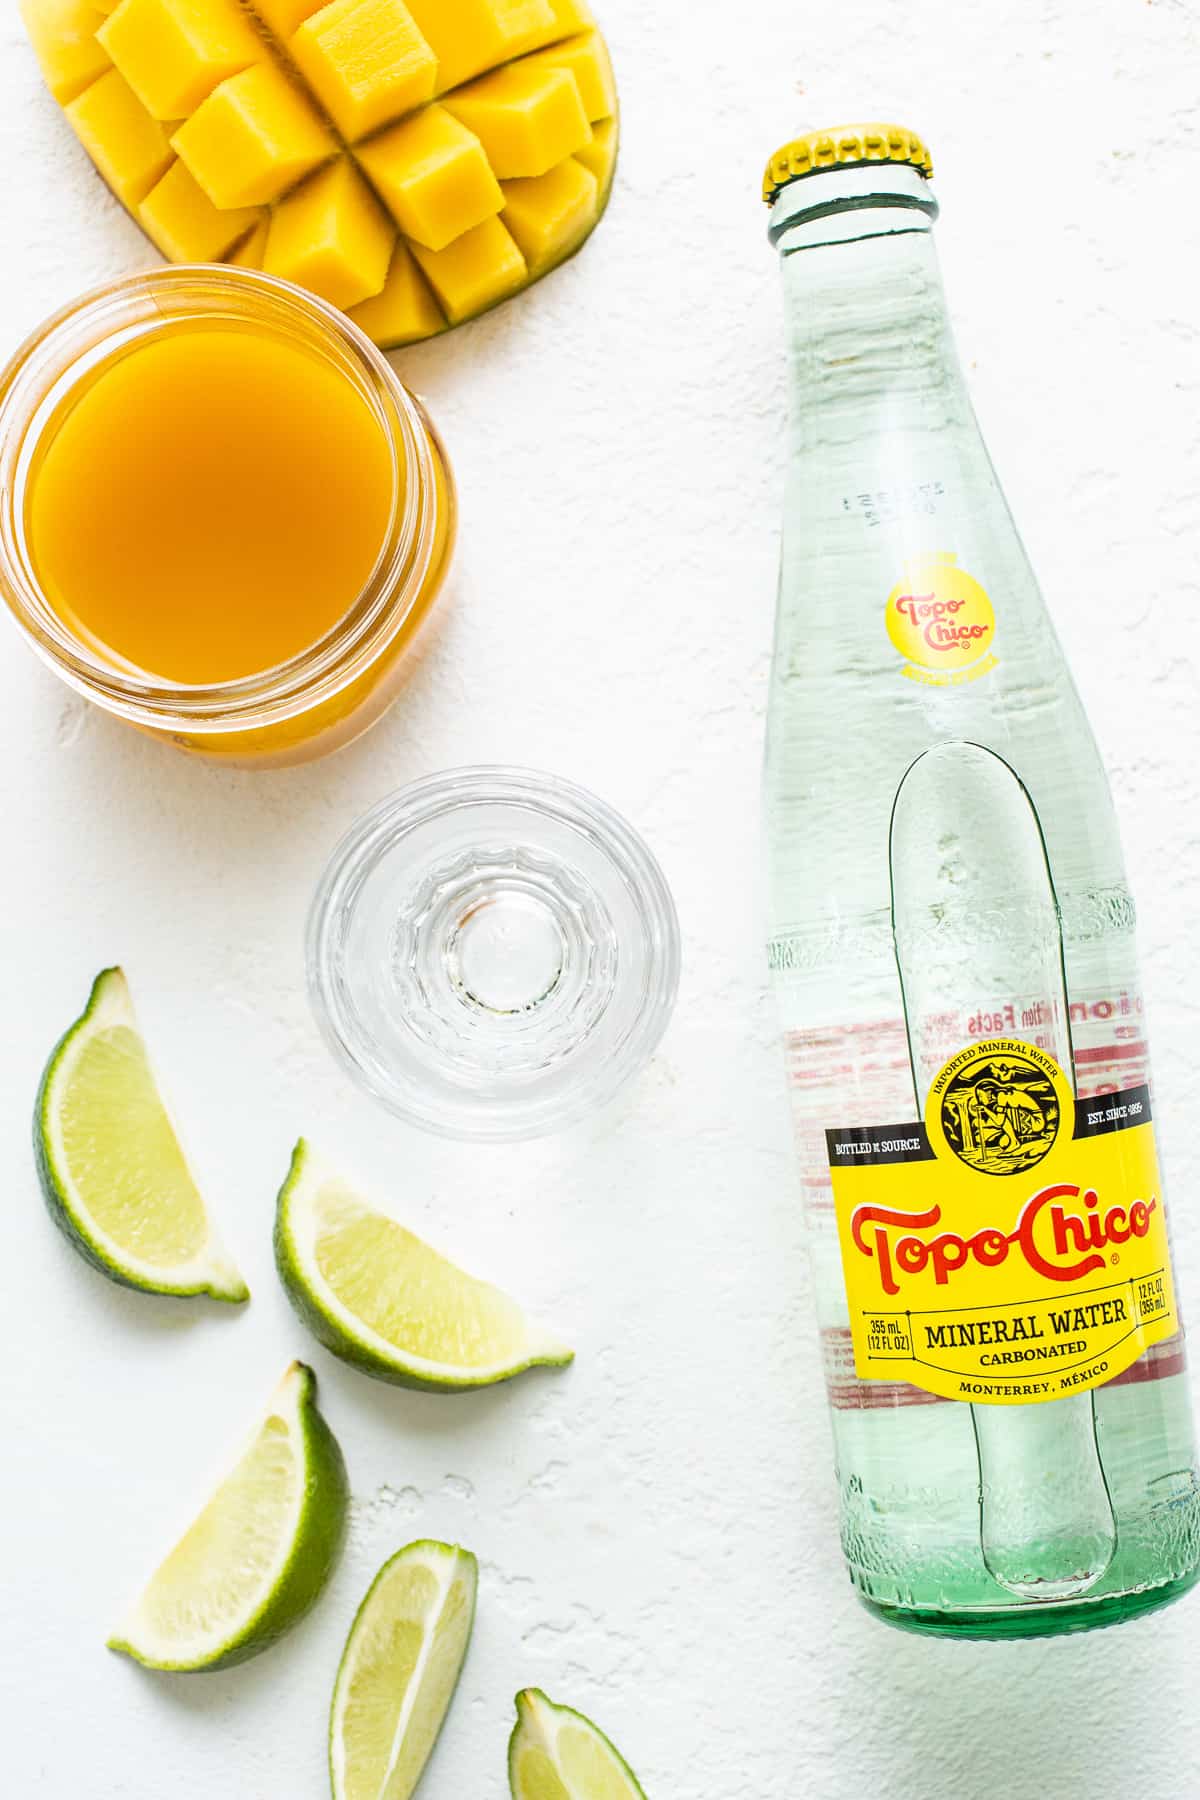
(1035, 1620)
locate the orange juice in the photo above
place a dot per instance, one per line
(209, 503)
(223, 517)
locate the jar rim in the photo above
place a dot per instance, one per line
(40, 377)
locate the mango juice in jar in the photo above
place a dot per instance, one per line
(222, 517)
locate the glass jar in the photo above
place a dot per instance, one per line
(339, 685)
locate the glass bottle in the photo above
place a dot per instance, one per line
(952, 945)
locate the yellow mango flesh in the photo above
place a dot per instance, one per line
(332, 236)
(63, 35)
(178, 216)
(434, 177)
(283, 17)
(526, 118)
(587, 59)
(545, 213)
(253, 138)
(173, 53)
(250, 253)
(405, 310)
(475, 271)
(570, 18)
(468, 36)
(599, 154)
(366, 62)
(129, 147)
(411, 161)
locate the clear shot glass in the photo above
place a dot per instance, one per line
(492, 953)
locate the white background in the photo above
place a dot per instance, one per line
(656, 1526)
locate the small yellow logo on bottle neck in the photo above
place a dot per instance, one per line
(942, 622)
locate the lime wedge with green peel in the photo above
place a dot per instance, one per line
(112, 1171)
(383, 1300)
(399, 1671)
(557, 1754)
(252, 1563)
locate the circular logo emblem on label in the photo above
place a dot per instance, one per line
(941, 620)
(999, 1106)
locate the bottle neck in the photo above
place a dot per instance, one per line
(869, 338)
(891, 498)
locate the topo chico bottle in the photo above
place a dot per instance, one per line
(952, 943)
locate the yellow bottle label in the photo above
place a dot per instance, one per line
(942, 622)
(1012, 1246)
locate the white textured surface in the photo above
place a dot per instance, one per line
(656, 1526)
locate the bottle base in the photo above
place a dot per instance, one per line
(1045, 1620)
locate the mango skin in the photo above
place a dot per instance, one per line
(459, 267)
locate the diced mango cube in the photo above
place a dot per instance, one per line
(526, 118)
(405, 311)
(285, 16)
(173, 53)
(433, 175)
(254, 137)
(130, 149)
(249, 254)
(589, 62)
(570, 17)
(366, 61)
(473, 35)
(332, 236)
(181, 219)
(551, 213)
(63, 35)
(600, 154)
(475, 271)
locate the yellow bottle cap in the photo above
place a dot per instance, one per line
(842, 147)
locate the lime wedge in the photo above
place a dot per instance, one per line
(383, 1300)
(112, 1171)
(254, 1561)
(399, 1671)
(557, 1754)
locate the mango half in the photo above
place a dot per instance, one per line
(414, 162)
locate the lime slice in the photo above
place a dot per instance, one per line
(383, 1300)
(557, 1754)
(255, 1559)
(112, 1171)
(399, 1671)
